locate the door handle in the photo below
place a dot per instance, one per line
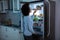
(49, 20)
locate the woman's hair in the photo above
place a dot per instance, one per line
(25, 9)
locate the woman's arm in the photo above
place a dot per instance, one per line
(34, 11)
(30, 26)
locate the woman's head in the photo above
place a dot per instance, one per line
(25, 9)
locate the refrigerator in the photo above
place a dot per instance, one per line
(43, 19)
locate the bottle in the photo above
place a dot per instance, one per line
(9, 22)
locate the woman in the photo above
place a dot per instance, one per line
(28, 22)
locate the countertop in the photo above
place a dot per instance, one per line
(12, 26)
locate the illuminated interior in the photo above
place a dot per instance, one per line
(39, 13)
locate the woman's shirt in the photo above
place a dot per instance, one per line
(28, 26)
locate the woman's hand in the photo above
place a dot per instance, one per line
(36, 32)
(34, 11)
